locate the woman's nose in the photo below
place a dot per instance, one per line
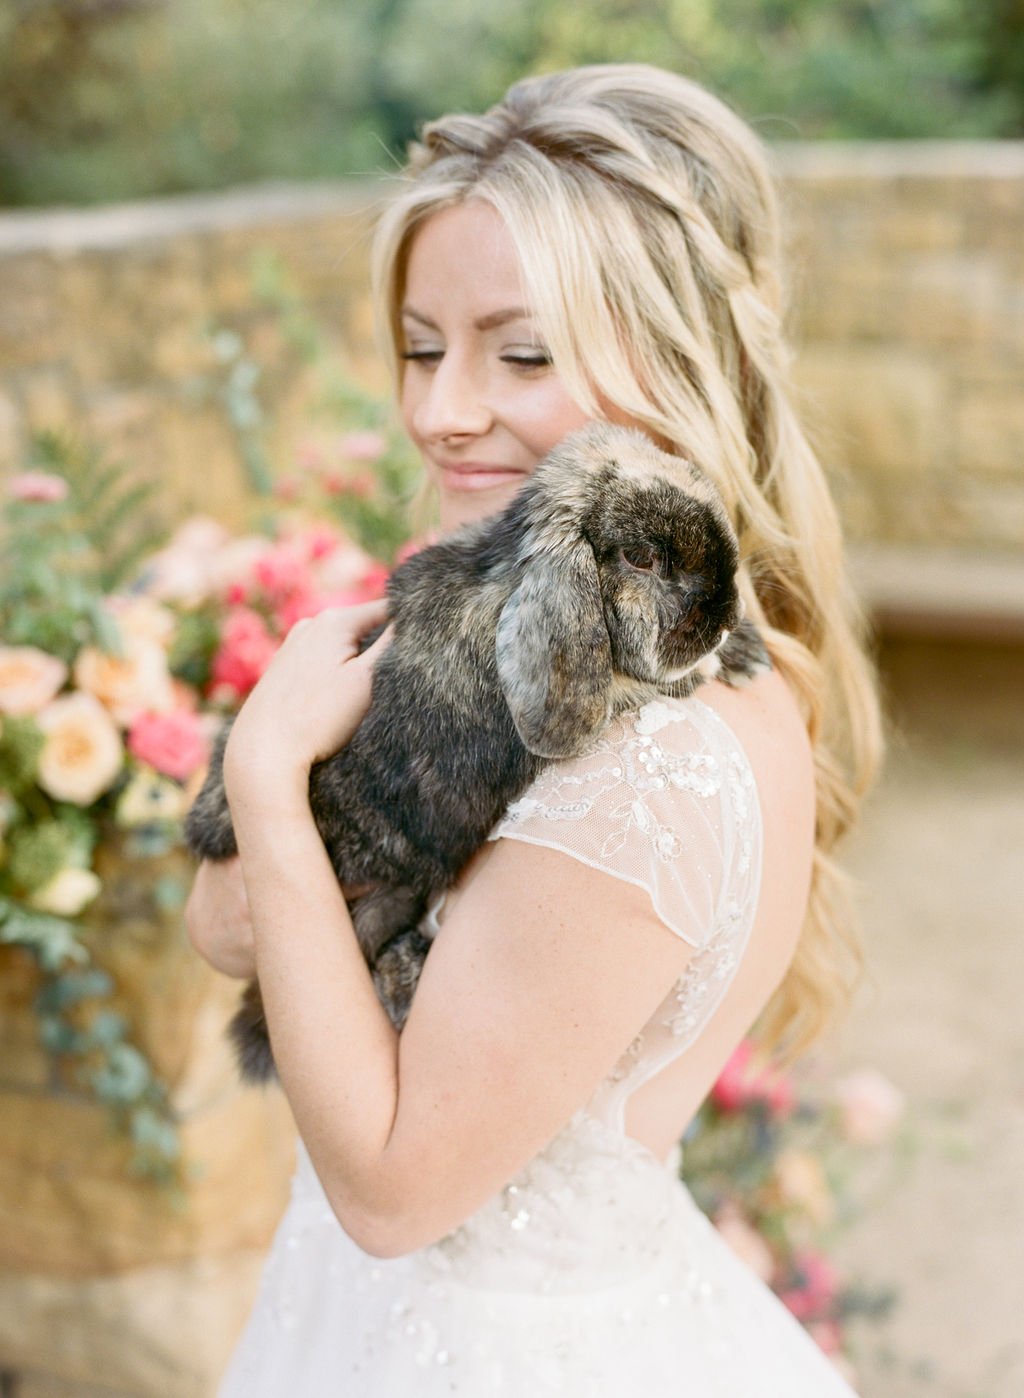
(453, 404)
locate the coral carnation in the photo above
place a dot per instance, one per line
(246, 649)
(174, 744)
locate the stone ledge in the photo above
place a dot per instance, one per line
(61, 230)
(879, 160)
(912, 590)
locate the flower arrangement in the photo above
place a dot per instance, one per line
(769, 1160)
(118, 664)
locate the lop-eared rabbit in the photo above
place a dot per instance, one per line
(610, 579)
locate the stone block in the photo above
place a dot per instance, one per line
(154, 1332)
(69, 1206)
(882, 409)
(31, 331)
(45, 1386)
(24, 1064)
(48, 399)
(989, 428)
(11, 436)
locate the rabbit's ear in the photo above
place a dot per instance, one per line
(554, 655)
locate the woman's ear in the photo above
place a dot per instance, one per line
(554, 655)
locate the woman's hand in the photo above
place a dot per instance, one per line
(308, 703)
(217, 918)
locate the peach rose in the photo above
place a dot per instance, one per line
(82, 755)
(29, 678)
(129, 684)
(142, 619)
(745, 1241)
(67, 892)
(869, 1106)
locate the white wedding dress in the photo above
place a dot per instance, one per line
(592, 1273)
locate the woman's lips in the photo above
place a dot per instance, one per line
(476, 475)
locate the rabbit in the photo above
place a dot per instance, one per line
(608, 580)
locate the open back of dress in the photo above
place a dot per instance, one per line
(592, 1273)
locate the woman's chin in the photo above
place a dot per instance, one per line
(457, 508)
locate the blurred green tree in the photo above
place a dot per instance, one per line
(103, 99)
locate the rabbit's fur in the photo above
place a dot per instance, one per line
(608, 580)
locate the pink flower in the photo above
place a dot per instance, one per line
(309, 456)
(41, 486)
(827, 1334)
(29, 678)
(360, 487)
(343, 568)
(372, 584)
(413, 546)
(287, 488)
(282, 571)
(740, 1084)
(813, 1287)
(297, 607)
(362, 446)
(869, 1105)
(174, 744)
(246, 649)
(318, 541)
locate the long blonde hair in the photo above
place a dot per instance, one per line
(646, 225)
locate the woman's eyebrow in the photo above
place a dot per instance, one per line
(488, 322)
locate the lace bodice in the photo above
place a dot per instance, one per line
(667, 802)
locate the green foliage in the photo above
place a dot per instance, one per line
(62, 557)
(64, 554)
(115, 98)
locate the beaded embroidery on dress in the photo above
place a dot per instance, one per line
(592, 1274)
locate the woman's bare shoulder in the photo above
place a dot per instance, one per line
(766, 720)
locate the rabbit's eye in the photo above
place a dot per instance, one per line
(644, 557)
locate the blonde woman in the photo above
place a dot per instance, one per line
(490, 1204)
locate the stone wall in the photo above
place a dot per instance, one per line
(907, 272)
(908, 280)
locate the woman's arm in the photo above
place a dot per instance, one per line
(544, 971)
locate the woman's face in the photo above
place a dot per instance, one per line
(479, 395)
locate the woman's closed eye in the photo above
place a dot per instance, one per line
(422, 356)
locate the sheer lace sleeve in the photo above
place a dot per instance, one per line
(667, 802)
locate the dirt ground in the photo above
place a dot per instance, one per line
(940, 857)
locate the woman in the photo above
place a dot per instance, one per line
(489, 1204)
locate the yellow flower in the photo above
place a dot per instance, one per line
(82, 754)
(67, 892)
(127, 685)
(29, 678)
(150, 797)
(801, 1180)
